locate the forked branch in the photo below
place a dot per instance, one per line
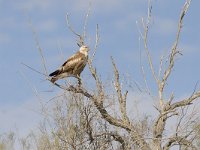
(160, 123)
(174, 50)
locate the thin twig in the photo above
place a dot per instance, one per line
(70, 27)
(34, 70)
(145, 37)
(81, 39)
(38, 47)
(86, 21)
(143, 71)
(96, 43)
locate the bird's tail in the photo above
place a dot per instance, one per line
(54, 73)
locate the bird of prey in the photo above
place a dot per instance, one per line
(73, 66)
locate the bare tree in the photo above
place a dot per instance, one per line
(84, 118)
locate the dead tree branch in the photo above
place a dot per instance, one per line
(179, 140)
(174, 50)
(185, 102)
(121, 98)
(160, 123)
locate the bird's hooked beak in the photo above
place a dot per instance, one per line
(88, 49)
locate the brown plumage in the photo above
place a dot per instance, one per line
(73, 66)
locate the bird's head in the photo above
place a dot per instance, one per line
(84, 50)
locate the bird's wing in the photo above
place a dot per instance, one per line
(72, 62)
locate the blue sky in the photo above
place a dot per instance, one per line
(118, 38)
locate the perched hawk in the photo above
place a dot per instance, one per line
(73, 66)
